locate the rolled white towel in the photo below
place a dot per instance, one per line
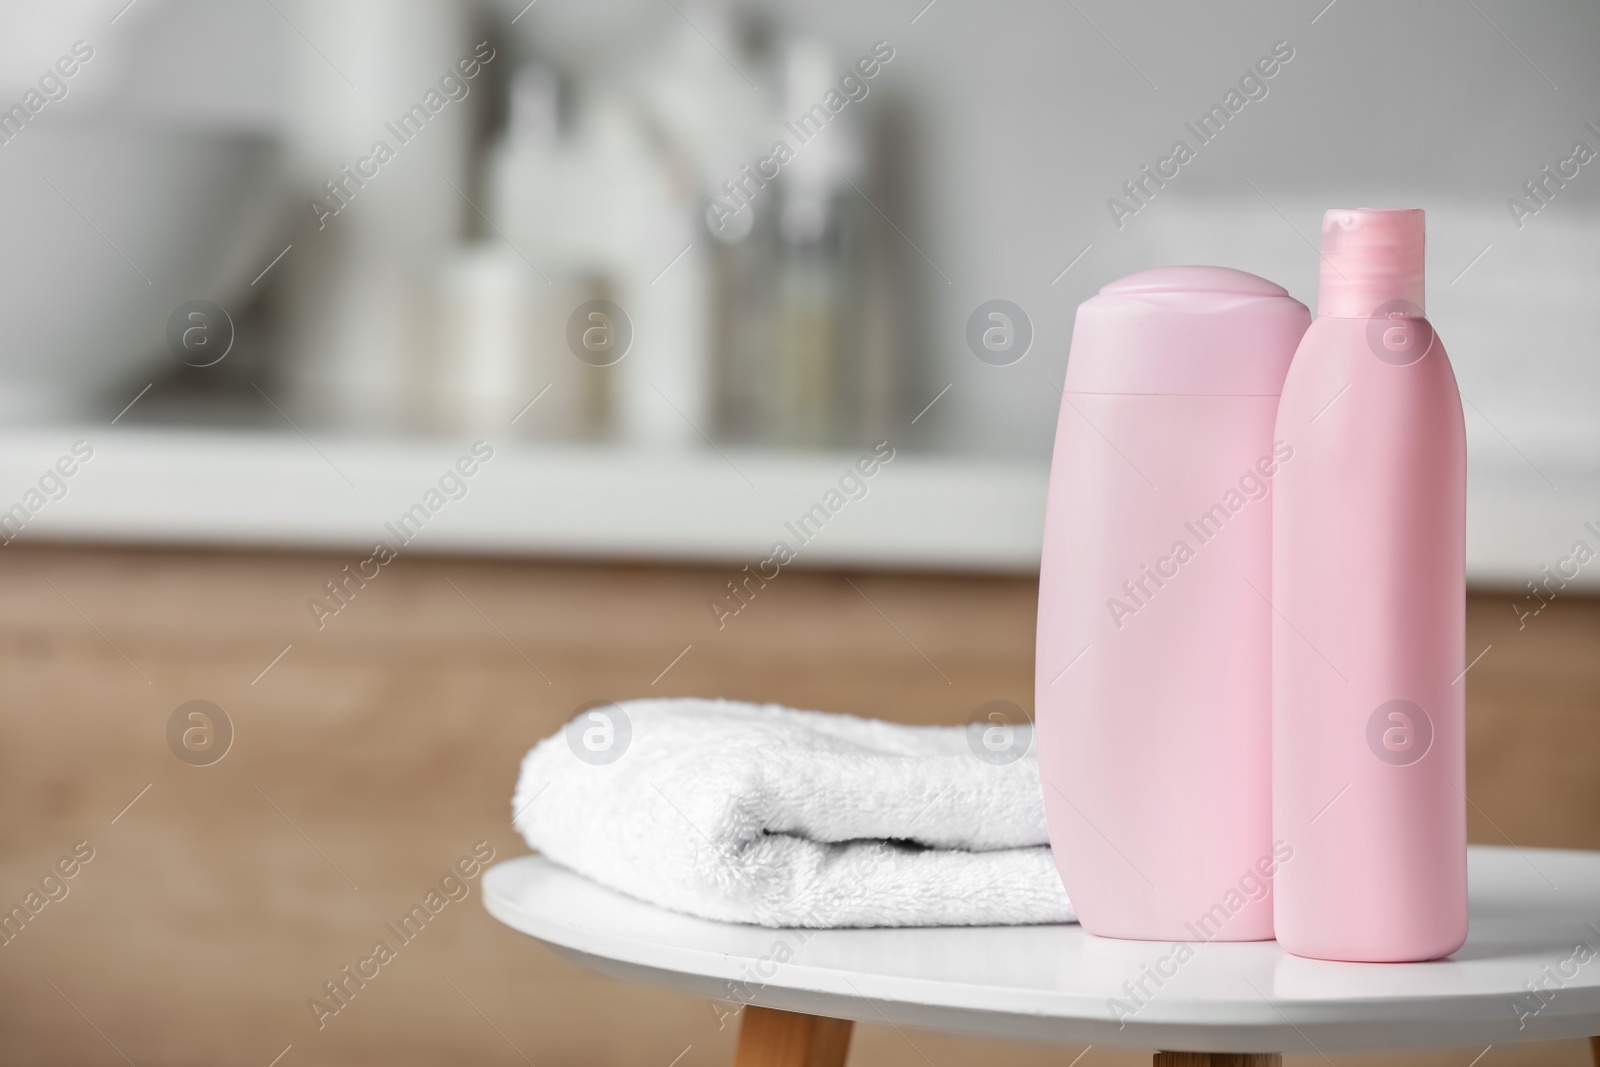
(764, 814)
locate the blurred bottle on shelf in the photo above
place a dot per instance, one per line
(800, 288)
(501, 363)
(706, 118)
(636, 197)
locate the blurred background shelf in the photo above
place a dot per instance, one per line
(260, 488)
(199, 260)
(189, 487)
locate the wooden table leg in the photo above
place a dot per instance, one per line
(1594, 1050)
(1221, 1059)
(771, 1038)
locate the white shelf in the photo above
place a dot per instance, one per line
(281, 490)
(255, 489)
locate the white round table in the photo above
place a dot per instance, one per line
(1530, 971)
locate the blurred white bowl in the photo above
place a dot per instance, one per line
(109, 226)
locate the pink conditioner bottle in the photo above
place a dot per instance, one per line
(1153, 670)
(1369, 768)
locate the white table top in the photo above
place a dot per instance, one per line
(1531, 908)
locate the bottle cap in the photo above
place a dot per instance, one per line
(1200, 331)
(1372, 263)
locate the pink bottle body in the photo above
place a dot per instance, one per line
(1152, 678)
(1368, 576)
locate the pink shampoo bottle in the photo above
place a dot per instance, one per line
(1369, 766)
(1153, 669)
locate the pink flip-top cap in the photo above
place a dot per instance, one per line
(1197, 331)
(1372, 262)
